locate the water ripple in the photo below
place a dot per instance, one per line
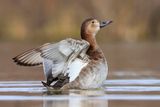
(126, 91)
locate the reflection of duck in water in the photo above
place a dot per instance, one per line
(71, 63)
(75, 98)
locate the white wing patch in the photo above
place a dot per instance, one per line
(75, 68)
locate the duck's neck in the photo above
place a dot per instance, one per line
(92, 41)
(94, 52)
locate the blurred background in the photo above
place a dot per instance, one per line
(131, 44)
(43, 20)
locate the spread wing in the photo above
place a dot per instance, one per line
(60, 51)
(52, 56)
(30, 57)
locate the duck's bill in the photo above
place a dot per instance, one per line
(105, 23)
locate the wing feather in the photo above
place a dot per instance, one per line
(29, 58)
(54, 57)
(63, 54)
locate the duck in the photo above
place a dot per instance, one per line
(71, 63)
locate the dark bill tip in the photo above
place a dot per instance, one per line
(105, 23)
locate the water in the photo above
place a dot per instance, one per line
(112, 93)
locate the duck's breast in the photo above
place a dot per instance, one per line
(94, 78)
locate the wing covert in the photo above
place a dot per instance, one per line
(63, 49)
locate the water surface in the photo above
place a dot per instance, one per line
(142, 93)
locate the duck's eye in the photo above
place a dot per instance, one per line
(92, 21)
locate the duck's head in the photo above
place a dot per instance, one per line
(91, 26)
